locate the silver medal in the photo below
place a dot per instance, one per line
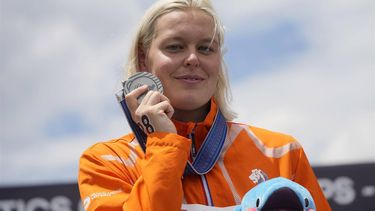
(142, 78)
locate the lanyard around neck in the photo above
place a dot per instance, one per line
(211, 148)
(207, 155)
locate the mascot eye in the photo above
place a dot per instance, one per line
(257, 203)
(306, 202)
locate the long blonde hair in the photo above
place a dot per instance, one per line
(146, 33)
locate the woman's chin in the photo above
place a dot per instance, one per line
(189, 104)
(184, 107)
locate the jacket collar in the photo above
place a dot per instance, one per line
(200, 128)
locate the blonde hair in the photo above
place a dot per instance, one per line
(146, 33)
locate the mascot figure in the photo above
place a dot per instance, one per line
(278, 194)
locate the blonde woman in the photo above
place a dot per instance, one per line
(180, 42)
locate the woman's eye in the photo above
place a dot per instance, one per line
(174, 47)
(206, 49)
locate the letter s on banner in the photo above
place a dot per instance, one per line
(340, 190)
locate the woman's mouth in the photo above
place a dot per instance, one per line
(190, 78)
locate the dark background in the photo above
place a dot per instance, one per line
(347, 187)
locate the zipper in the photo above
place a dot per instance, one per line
(193, 151)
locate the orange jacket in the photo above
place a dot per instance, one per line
(117, 175)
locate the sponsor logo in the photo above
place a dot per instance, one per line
(87, 200)
(258, 176)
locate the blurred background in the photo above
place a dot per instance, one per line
(306, 68)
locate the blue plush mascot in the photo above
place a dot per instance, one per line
(277, 194)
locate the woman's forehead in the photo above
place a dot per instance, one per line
(185, 22)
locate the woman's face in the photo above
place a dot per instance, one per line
(186, 57)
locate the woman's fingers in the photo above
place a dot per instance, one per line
(158, 102)
(132, 99)
(153, 97)
(155, 112)
(166, 107)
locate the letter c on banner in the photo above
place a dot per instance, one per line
(61, 203)
(36, 204)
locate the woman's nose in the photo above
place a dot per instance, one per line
(192, 59)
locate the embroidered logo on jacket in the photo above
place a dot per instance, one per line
(258, 176)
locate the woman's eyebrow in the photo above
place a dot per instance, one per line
(173, 37)
(210, 41)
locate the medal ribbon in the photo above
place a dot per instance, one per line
(211, 148)
(207, 155)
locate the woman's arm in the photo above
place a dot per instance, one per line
(108, 180)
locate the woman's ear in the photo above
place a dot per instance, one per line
(141, 60)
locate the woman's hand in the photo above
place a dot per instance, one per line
(154, 113)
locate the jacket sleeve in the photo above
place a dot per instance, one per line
(305, 176)
(111, 184)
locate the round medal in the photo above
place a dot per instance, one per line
(142, 78)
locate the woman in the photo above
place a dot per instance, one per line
(180, 42)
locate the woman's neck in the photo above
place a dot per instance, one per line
(197, 115)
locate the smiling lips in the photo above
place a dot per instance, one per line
(190, 78)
